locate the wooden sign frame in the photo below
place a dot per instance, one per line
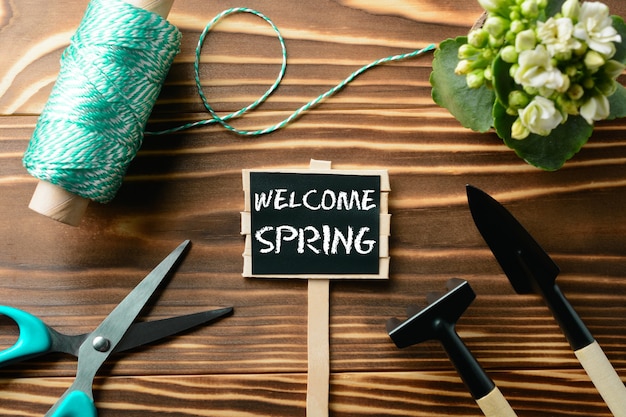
(383, 224)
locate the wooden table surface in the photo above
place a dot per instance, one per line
(188, 186)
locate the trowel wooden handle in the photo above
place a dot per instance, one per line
(57, 203)
(604, 377)
(495, 405)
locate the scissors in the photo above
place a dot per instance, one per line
(116, 333)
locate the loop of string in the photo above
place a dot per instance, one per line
(111, 75)
(216, 119)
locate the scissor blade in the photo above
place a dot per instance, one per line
(147, 332)
(522, 259)
(117, 323)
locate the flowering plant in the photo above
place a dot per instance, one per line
(540, 72)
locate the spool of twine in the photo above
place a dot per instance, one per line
(94, 120)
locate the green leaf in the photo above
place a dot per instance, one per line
(545, 152)
(620, 26)
(503, 84)
(617, 103)
(554, 7)
(470, 106)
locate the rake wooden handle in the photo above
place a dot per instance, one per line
(54, 201)
(495, 405)
(604, 377)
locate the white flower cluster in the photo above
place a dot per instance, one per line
(561, 65)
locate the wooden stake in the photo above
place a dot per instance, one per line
(318, 339)
(57, 203)
(318, 348)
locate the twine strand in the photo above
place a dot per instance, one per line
(223, 120)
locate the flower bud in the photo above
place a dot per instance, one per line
(494, 6)
(488, 73)
(478, 38)
(476, 78)
(576, 92)
(509, 54)
(487, 54)
(530, 9)
(517, 26)
(532, 91)
(571, 71)
(466, 51)
(571, 9)
(563, 56)
(463, 67)
(509, 38)
(518, 130)
(525, 40)
(593, 60)
(567, 105)
(496, 26)
(518, 99)
(588, 83)
(496, 42)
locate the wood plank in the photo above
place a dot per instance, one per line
(354, 394)
(188, 186)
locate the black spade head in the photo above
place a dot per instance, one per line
(528, 267)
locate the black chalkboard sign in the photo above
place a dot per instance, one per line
(313, 224)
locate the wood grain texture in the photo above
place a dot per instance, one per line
(188, 186)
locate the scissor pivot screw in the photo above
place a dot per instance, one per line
(101, 344)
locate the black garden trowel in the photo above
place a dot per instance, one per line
(531, 270)
(438, 321)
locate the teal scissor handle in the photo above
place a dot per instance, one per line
(34, 338)
(76, 404)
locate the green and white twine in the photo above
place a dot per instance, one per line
(111, 74)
